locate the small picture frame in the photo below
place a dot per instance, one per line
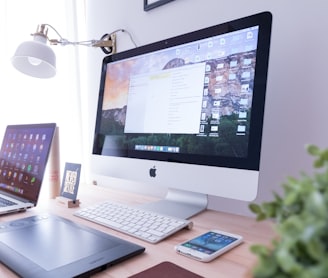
(71, 180)
(151, 4)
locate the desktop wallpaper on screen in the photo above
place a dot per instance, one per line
(194, 98)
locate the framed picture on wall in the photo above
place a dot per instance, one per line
(151, 4)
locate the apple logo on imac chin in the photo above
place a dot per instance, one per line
(152, 172)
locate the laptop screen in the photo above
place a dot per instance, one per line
(23, 158)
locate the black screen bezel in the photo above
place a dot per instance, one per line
(252, 161)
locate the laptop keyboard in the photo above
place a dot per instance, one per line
(6, 203)
(146, 225)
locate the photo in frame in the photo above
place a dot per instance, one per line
(71, 180)
(151, 4)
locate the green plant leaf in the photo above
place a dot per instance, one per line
(260, 250)
(291, 198)
(319, 163)
(270, 209)
(287, 262)
(315, 249)
(316, 205)
(266, 267)
(255, 208)
(324, 155)
(313, 150)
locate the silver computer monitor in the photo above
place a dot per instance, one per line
(186, 113)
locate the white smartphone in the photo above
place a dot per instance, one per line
(208, 246)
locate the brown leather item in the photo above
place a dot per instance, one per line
(166, 270)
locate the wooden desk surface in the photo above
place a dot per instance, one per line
(236, 263)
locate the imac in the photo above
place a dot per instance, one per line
(186, 113)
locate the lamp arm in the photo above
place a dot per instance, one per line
(107, 42)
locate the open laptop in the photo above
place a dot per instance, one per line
(23, 158)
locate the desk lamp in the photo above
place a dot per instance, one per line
(37, 59)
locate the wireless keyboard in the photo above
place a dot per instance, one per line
(146, 225)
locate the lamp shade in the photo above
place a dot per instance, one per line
(35, 58)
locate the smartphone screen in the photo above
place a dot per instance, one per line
(209, 242)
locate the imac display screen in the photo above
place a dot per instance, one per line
(195, 99)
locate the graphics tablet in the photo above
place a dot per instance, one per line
(52, 246)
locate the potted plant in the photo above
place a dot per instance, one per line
(301, 224)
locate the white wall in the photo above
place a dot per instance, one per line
(296, 93)
(32, 100)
